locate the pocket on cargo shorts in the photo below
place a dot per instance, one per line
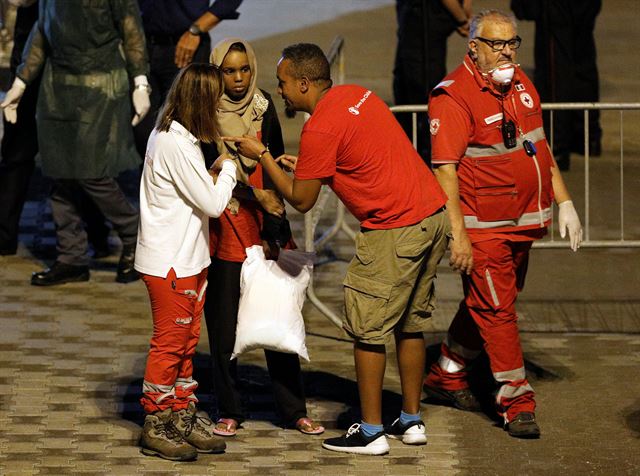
(366, 303)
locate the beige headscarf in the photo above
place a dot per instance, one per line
(243, 116)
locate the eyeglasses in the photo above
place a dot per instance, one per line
(499, 45)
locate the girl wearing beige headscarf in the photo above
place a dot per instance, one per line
(241, 111)
(245, 109)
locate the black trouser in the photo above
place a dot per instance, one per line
(221, 314)
(19, 149)
(566, 70)
(66, 208)
(421, 60)
(163, 71)
(19, 142)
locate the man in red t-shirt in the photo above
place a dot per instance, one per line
(353, 143)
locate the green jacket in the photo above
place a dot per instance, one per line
(87, 51)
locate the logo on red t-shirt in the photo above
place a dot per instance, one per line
(355, 110)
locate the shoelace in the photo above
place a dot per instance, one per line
(353, 429)
(169, 429)
(192, 420)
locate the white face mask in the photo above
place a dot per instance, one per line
(503, 74)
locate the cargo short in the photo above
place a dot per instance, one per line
(390, 282)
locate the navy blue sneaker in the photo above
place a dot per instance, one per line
(354, 441)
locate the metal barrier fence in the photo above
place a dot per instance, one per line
(586, 107)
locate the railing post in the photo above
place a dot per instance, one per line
(621, 176)
(586, 176)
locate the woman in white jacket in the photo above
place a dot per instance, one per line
(177, 197)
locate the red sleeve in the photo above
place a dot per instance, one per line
(318, 155)
(450, 127)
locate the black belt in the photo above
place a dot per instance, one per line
(439, 210)
(171, 39)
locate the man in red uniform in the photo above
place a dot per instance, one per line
(353, 144)
(494, 163)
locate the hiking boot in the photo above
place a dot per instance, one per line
(161, 438)
(523, 426)
(197, 429)
(354, 441)
(460, 399)
(413, 433)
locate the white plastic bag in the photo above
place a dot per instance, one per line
(271, 298)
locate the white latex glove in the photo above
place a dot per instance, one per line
(140, 99)
(568, 220)
(12, 99)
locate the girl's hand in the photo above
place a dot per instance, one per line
(269, 201)
(217, 165)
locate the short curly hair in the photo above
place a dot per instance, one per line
(307, 60)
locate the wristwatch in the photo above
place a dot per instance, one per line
(195, 30)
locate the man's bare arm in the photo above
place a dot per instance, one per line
(461, 253)
(301, 194)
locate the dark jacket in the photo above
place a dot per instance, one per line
(274, 229)
(87, 52)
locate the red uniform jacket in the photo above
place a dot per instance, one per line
(501, 189)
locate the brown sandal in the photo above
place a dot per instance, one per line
(309, 427)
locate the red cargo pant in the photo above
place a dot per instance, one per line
(487, 318)
(176, 306)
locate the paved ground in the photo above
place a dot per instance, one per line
(72, 357)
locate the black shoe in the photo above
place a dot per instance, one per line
(60, 273)
(354, 441)
(126, 272)
(413, 433)
(523, 426)
(461, 399)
